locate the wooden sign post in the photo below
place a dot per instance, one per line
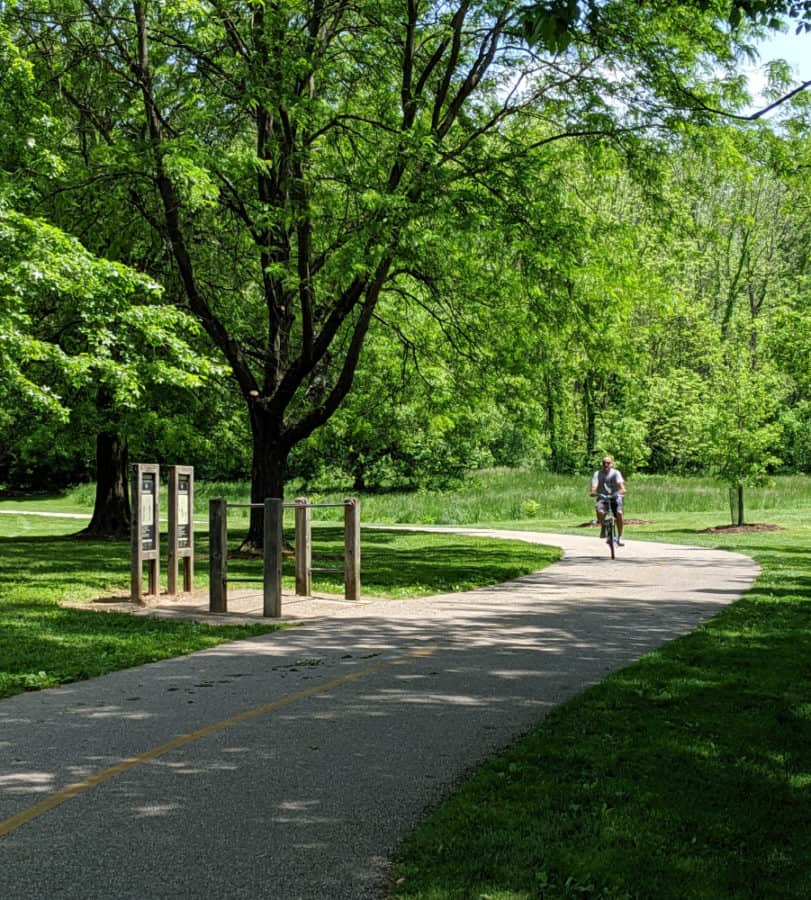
(145, 530)
(352, 548)
(181, 527)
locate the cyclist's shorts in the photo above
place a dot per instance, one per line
(616, 505)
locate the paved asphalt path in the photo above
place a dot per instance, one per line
(290, 766)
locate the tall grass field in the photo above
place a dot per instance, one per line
(510, 496)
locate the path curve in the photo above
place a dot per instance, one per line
(291, 765)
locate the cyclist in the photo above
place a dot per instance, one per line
(608, 480)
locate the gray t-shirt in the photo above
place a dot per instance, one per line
(608, 482)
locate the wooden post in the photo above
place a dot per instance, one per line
(304, 548)
(352, 549)
(273, 540)
(218, 556)
(181, 527)
(145, 535)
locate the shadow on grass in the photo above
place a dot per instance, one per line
(433, 563)
(49, 562)
(697, 788)
(44, 644)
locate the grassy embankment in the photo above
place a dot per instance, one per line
(686, 775)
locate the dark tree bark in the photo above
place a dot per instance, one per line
(555, 445)
(267, 473)
(590, 416)
(111, 511)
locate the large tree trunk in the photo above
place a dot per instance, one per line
(552, 422)
(590, 416)
(111, 512)
(267, 475)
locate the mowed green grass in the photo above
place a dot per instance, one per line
(43, 644)
(685, 775)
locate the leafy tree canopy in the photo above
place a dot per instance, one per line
(555, 24)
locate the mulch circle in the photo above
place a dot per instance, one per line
(717, 529)
(742, 529)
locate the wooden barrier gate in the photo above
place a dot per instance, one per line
(272, 552)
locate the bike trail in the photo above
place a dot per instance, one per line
(290, 766)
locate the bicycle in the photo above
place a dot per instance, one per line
(609, 529)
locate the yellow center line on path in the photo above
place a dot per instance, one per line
(81, 787)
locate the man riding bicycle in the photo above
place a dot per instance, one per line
(608, 486)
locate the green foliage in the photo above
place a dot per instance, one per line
(82, 342)
(551, 24)
(744, 430)
(795, 425)
(676, 411)
(625, 437)
(547, 266)
(25, 121)
(554, 24)
(63, 311)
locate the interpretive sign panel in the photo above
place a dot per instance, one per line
(181, 527)
(183, 511)
(147, 507)
(145, 529)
